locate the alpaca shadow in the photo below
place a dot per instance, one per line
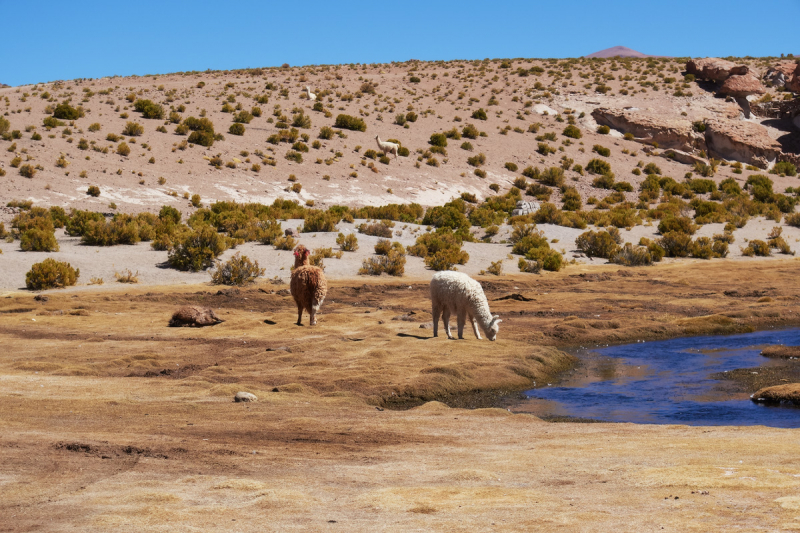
(408, 335)
(270, 322)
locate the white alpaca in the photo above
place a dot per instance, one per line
(459, 294)
(387, 147)
(311, 96)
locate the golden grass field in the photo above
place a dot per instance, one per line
(113, 421)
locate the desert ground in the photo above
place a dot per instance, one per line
(111, 420)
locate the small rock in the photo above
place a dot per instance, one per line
(290, 232)
(245, 397)
(41, 298)
(427, 325)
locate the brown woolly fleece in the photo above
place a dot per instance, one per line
(308, 285)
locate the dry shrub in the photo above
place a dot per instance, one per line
(51, 274)
(393, 263)
(284, 243)
(348, 243)
(756, 247)
(603, 244)
(630, 255)
(126, 276)
(238, 270)
(377, 229)
(196, 250)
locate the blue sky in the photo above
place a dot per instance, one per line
(48, 40)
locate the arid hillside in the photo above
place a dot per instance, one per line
(141, 163)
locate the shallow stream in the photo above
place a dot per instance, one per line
(666, 382)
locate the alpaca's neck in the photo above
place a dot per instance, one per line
(298, 262)
(481, 312)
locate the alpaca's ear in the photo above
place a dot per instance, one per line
(495, 316)
(497, 321)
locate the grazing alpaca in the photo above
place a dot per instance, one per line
(308, 285)
(387, 147)
(311, 96)
(454, 292)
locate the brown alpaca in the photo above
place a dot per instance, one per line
(193, 316)
(308, 285)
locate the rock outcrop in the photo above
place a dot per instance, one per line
(714, 69)
(794, 83)
(525, 208)
(781, 73)
(742, 85)
(741, 141)
(675, 134)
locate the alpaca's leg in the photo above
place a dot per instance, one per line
(436, 312)
(312, 313)
(446, 321)
(299, 314)
(461, 318)
(475, 326)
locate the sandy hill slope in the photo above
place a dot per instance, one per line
(525, 103)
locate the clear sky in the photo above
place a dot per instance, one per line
(46, 40)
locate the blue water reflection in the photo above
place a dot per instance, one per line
(667, 382)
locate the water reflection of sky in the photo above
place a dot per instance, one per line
(666, 382)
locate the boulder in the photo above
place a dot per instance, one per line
(675, 134)
(194, 316)
(779, 74)
(794, 83)
(290, 232)
(683, 157)
(789, 393)
(741, 141)
(525, 208)
(245, 397)
(713, 68)
(742, 85)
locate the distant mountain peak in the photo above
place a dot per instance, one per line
(618, 51)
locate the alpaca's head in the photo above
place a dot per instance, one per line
(308, 89)
(494, 326)
(377, 138)
(301, 254)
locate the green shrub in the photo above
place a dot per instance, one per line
(597, 244)
(38, 239)
(27, 171)
(553, 176)
(572, 132)
(598, 166)
(603, 130)
(676, 244)
(93, 190)
(651, 168)
(606, 181)
(545, 149)
(51, 274)
(572, 199)
(236, 129)
(5, 125)
(322, 221)
(326, 133)
(284, 242)
(441, 249)
(539, 191)
(348, 243)
(756, 247)
(350, 123)
(479, 114)
(411, 116)
(65, 112)
(477, 160)
(197, 249)
(602, 150)
(450, 215)
(243, 117)
(291, 155)
(677, 224)
(784, 167)
(149, 109)
(238, 270)
(701, 186)
(133, 129)
(438, 139)
(470, 132)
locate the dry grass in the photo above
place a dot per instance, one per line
(132, 423)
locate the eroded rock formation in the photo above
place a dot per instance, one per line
(741, 141)
(675, 134)
(714, 69)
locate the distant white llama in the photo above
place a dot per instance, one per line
(455, 292)
(387, 147)
(311, 96)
